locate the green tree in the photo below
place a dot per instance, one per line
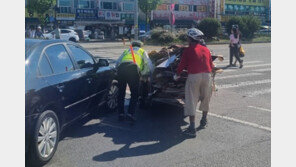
(147, 6)
(40, 7)
(211, 27)
(252, 25)
(248, 25)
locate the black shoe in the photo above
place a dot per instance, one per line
(121, 117)
(203, 123)
(191, 132)
(131, 118)
(241, 64)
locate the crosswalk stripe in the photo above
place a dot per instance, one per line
(237, 76)
(262, 70)
(240, 84)
(260, 108)
(259, 92)
(239, 121)
(249, 66)
(226, 62)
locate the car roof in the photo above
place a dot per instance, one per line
(30, 44)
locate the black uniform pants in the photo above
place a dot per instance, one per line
(234, 52)
(128, 73)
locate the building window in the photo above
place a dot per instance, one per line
(65, 3)
(177, 7)
(254, 1)
(128, 6)
(106, 5)
(65, 9)
(86, 4)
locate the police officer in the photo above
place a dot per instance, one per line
(133, 64)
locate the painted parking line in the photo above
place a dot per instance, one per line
(239, 121)
(236, 76)
(259, 92)
(260, 108)
(240, 84)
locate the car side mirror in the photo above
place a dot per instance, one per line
(103, 63)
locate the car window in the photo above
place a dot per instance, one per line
(44, 67)
(59, 59)
(83, 59)
(65, 31)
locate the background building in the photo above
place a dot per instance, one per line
(187, 12)
(259, 8)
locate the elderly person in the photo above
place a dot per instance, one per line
(197, 60)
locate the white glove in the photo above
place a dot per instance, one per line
(176, 77)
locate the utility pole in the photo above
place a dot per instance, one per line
(136, 19)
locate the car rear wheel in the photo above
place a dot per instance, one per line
(72, 39)
(45, 138)
(112, 97)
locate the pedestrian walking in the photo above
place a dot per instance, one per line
(32, 32)
(38, 33)
(196, 58)
(234, 46)
(57, 33)
(133, 64)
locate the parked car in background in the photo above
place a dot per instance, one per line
(66, 34)
(63, 83)
(265, 30)
(145, 36)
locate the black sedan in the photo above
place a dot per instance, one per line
(64, 82)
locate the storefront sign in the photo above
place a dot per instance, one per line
(65, 16)
(112, 15)
(179, 15)
(101, 14)
(86, 14)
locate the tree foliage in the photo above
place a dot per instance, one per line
(211, 27)
(147, 6)
(248, 25)
(40, 7)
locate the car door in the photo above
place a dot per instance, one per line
(67, 81)
(96, 76)
(65, 34)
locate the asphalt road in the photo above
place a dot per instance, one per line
(238, 133)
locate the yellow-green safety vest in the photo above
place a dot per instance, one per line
(128, 57)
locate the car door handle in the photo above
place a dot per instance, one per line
(60, 88)
(89, 80)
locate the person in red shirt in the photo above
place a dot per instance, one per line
(196, 59)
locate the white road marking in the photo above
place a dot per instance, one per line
(239, 121)
(249, 66)
(236, 76)
(259, 92)
(263, 70)
(247, 83)
(226, 62)
(260, 108)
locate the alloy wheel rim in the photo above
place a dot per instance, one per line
(112, 97)
(47, 137)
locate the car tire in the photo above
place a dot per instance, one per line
(48, 141)
(112, 97)
(72, 39)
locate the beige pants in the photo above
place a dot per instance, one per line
(198, 87)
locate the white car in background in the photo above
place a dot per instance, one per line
(66, 34)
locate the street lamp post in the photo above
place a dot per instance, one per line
(136, 19)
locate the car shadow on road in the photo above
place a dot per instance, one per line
(155, 131)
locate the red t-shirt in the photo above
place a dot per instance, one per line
(196, 59)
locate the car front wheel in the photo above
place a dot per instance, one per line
(45, 139)
(112, 97)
